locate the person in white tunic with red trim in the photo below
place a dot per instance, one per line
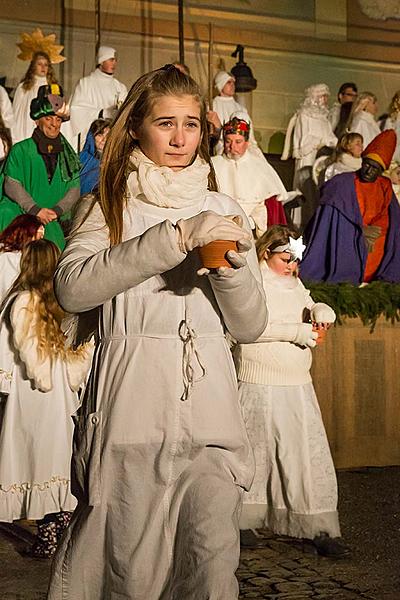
(161, 453)
(294, 492)
(239, 165)
(99, 92)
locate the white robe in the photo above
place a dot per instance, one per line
(98, 91)
(395, 124)
(249, 180)
(6, 111)
(225, 106)
(36, 430)
(159, 475)
(24, 125)
(364, 123)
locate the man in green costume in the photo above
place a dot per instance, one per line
(41, 174)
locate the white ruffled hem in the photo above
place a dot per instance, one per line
(34, 501)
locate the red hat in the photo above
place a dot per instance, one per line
(381, 148)
(237, 126)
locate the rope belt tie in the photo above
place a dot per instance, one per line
(188, 336)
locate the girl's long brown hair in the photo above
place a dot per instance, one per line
(28, 79)
(38, 264)
(168, 81)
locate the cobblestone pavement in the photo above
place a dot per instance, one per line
(284, 569)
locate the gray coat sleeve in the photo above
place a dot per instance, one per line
(16, 191)
(90, 272)
(67, 202)
(241, 300)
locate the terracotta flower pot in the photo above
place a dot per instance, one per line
(213, 254)
(321, 333)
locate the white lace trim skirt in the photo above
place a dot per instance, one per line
(294, 490)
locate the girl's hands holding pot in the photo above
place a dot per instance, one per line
(208, 226)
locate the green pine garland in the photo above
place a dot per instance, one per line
(368, 302)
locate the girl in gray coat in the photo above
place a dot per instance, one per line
(160, 451)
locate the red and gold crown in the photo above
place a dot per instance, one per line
(237, 126)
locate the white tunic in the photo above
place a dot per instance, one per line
(24, 125)
(364, 123)
(250, 180)
(98, 91)
(36, 431)
(160, 419)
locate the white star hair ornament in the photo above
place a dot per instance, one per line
(295, 248)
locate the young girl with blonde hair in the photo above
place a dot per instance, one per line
(40, 377)
(161, 452)
(40, 72)
(347, 155)
(294, 492)
(362, 117)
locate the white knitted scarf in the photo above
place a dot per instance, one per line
(352, 162)
(161, 186)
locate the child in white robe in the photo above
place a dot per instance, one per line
(294, 492)
(41, 377)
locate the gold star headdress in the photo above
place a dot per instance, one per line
(37, 42)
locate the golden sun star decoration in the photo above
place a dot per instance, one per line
(37, 42)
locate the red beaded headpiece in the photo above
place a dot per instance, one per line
(239, 126)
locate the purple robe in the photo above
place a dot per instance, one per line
(336, 250)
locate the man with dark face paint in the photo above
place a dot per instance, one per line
(355, 233)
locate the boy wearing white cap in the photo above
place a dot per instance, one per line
(98, 92)
(225, 105)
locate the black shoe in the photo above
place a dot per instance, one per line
(250, 539)
(331, 547)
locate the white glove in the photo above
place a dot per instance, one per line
(206, 227)
(259, 215)
(305, 335)
(322, 313)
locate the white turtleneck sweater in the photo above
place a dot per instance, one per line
(272, 359)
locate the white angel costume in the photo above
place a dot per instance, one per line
(294, 491)
(36, 431)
